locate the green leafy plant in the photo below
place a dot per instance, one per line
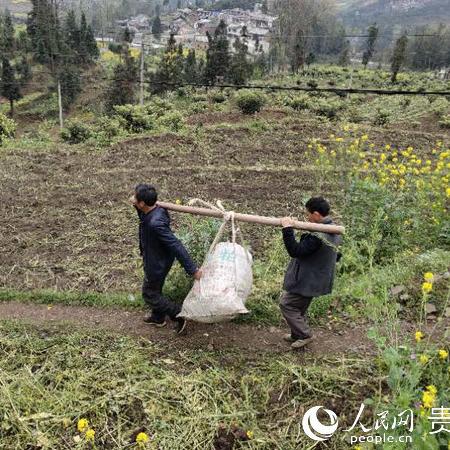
(7, 128)
(75, 132)
(250, 102)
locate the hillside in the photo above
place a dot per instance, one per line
(408, 13)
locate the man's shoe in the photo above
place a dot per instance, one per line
(288, 337)
(157, 323)
(300, 343)
(180, 327)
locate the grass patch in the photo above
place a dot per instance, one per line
(51, 376)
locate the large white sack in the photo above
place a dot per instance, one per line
(224, 287)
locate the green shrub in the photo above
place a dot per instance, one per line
(312, 84)
(134, 118)
(299, 102)
(7, 128)
(199, 98)
(172, 121)
(217, 97)
(106, 129)
(75, 132)
(382, 117)
(354, 115)
(158, 107)
(327, 107)
(250, 102)
(445, 122)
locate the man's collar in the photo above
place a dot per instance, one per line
(326, 219)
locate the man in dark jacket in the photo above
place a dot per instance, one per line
(159, 247)
(310, 272)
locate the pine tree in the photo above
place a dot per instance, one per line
(72, 37)
(170, 70)
(91, 44)
(370, 44)
(217, 54)
(240, 69)
(310, 59)
(10, 87)
(123, 85)
(127, 36)
(43, 28)
(7, 31)
(190, 71)
(83, 50)
(344, 57)
(298, 53)
(398, 57)
(24, 70)
(157, 27)
(69, 77)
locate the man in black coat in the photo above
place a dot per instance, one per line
(159, 247)
(310, 272)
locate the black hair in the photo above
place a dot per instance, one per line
(146, 193)
(318, 204)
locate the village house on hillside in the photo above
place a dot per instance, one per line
(190, 27)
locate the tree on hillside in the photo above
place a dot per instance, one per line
(170, 69)
(43, 27)
(370, 44)
(7, 39)
(190, 70)
(123, 85)
(430, 52)
(399, 56)
(157, 27)
(240, 69)
(297, 54)
(23, 68)
(88, 45)
(127, 36)
(10, 86)
(299, 20)
(217, 54)
(344, 57)
(69, 77)
(71, 34)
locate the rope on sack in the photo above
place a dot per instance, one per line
(228, 216)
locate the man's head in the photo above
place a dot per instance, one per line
(145, 197)
(317, 208)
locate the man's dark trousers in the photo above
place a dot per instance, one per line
(160, 306)
(294, 308)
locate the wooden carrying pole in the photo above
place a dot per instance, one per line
(261, 220)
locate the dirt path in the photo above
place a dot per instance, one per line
(225, 336)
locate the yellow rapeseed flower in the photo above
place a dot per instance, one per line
(83, 425)
(427, 287)
(90, 434)
(418, 336)
(443, 354)
(142, 438)
(428, 399)
(431, 388)
(250, 434)
(447, 192)
(178, 201)
(428, 276)
(423, 359)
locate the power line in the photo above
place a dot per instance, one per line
(279, 88)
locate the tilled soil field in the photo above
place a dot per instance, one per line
(65, 221)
